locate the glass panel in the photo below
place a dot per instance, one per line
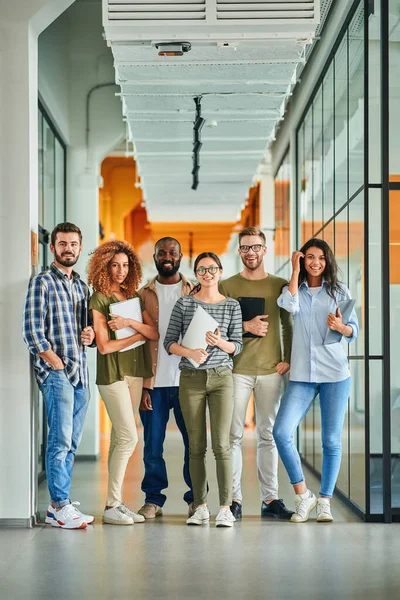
(374, 92)
(282, 216)
(48, 177)
(341, 89)
(307, 182)
(357, 433)
(375, 272)
(59, 183)
(394, 236)
(341, 245)
(328, 144)
(356, 267)
(356, 101)
(317, 163)
(375, 432)
(300, 183)
(40, 167)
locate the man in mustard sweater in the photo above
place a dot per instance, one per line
(259, 370)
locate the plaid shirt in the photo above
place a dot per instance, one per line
(54, 317)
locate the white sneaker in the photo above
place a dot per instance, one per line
(305, 503)
(200, 517)
(136, 518)
(68, 517)
(324, 514)
(224, 518)
(51, 514)
(117, 515)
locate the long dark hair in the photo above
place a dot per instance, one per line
(212, 255)
(331, 269)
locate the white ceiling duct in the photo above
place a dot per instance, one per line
(238, 58)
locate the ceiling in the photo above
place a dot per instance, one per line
(243, 72)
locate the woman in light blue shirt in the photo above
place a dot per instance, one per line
(313, 296)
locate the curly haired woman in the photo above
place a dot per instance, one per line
(114, 272)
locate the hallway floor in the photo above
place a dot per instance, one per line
(166, 559)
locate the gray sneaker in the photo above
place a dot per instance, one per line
(150, 511)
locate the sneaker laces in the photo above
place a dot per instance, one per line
(124, 509)
(301, 507)
(225, 515)
(70, 512)
(128, 511)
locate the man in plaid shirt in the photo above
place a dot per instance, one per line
(56, 333)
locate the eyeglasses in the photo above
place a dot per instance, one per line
(203, 270)
(254, 247)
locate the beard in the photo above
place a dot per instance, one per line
(167, 272)
(253, 266)
(66, 261)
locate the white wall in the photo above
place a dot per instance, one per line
(73, 59)
(20, 24)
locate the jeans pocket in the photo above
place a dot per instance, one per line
(187, 373)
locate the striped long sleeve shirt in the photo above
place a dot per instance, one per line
(54, 319)
(227, 314)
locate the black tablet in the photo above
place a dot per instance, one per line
(251, 307)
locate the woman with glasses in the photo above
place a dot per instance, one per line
(210, 384)
(319, 365)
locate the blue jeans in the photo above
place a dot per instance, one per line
(154, 425)
(66, 408)
(296, 402)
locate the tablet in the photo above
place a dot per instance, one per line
(251, 307)
(346, 308)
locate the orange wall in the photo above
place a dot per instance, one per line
(123, 215)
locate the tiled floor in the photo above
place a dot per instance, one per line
(166, 559)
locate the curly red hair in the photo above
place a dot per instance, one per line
(99, 272)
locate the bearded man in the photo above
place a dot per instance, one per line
(258, 369)
(161, 392)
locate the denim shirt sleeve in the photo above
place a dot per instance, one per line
(289, 302)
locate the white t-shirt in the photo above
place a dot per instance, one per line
(315, 290)
(167, 374)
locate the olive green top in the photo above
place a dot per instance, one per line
(117, 365)
(260, 355)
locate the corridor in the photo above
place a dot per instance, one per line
(166, 559)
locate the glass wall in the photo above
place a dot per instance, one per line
(52, 203)
(282, 219)
(394, 243)
(348, 193)
(330, 145)
(52, 157)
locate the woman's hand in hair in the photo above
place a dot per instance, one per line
(296, 256)
(213, 339)
(199, 356)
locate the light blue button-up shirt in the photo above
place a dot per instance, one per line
(312, 360)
